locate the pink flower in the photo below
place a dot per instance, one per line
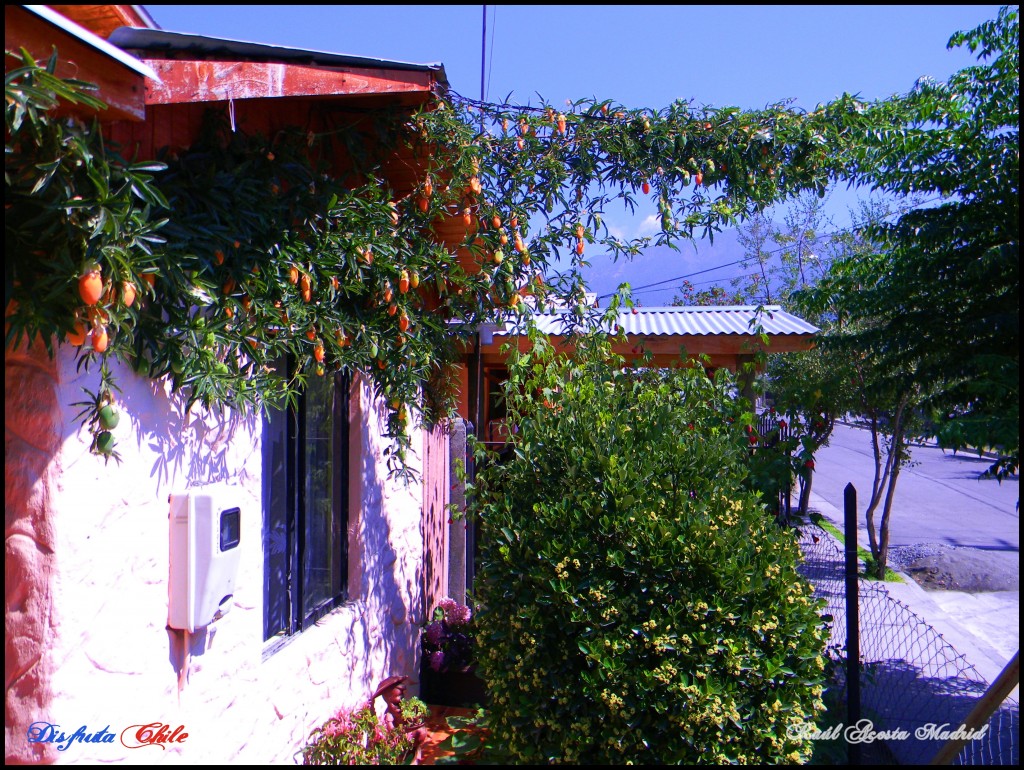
(436, 660)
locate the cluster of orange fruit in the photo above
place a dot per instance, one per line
(92, 323)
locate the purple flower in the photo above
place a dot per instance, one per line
(446, 605)
(459, 615)
(435, 633)
(436, 660)
(454, 613)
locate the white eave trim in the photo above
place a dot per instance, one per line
(93, 40)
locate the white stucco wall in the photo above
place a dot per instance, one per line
(114, 661)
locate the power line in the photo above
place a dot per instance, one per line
(483, 56)
(779, 250)
(490, 56)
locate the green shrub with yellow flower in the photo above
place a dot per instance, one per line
(638, 604)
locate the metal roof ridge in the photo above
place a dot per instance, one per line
(685, 308)
(703, 308)
(156, 40)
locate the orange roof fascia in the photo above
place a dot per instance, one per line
(104, 19)
(189, 81)
(122, 89)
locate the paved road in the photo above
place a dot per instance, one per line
(938, 500)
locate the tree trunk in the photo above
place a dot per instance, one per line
(876, 485)
(894, 463)
(805, 495)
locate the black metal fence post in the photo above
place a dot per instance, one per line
(852, 620)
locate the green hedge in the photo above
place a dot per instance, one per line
(636, 605)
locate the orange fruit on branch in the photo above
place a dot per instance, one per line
(128, 293)
(90, 286)
(77, 335)
(100, 339)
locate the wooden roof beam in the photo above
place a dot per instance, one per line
(186, 81)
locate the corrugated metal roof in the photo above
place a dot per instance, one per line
(177, 44)
(687, 321)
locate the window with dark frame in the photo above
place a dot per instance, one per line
(305, 507)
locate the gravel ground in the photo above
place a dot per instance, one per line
(938, 567)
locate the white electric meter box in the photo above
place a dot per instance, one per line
(205, 532)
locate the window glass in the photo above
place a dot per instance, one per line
(320, 572)
(305, 507)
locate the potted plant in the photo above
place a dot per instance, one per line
(359, 737)
(448, 677)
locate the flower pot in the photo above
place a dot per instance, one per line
(452, 688)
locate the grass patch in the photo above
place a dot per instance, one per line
(862, 553)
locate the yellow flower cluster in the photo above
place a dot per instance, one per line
(613, 701)
(665, 673)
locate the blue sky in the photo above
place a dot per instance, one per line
(640, 56)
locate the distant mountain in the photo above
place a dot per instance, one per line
(697, 262)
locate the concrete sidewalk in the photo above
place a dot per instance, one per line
(984, 627)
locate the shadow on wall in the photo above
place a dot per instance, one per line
(192, 440)
(435, 516)
(386, 546)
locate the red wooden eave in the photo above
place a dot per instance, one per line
(188, 81)
(122, 89)
(104, 19)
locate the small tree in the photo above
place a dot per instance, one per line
(637, 603)
(714, 296)
(943, 289)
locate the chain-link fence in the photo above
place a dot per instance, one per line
(910, 676)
